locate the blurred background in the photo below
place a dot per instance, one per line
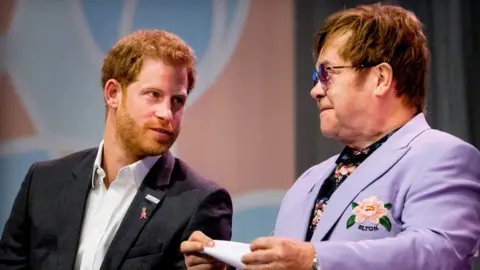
(250, 124)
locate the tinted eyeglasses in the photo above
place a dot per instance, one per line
(323, 70)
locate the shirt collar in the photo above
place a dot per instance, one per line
(360, 155)
(139, 169)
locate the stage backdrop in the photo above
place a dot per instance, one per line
(239, 124)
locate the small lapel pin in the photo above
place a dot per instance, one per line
(152, 199)
(144, 213)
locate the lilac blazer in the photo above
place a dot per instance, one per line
(413, 204)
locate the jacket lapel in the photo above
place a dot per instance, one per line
(300, 214)
(72, 208)
(369, 171)
(140, 211)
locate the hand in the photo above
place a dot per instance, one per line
(279, 254)
(196, 260)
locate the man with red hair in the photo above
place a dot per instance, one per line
(128, 203)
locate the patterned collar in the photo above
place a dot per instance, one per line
(350, 155)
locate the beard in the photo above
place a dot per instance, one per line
(140, 140)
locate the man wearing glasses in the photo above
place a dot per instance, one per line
(401, 195)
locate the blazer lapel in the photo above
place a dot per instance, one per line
(300, 214)
(72, 208)
(369, 171)
(140, 211)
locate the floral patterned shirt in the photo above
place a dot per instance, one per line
(346, 163)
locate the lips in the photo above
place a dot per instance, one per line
(161, 130)
(324, 109)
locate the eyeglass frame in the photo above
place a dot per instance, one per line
(323, 69)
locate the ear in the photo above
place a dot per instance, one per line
(112, 93)
(384, 82)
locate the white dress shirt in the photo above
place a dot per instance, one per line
(105, 209)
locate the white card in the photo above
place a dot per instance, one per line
(228, 252)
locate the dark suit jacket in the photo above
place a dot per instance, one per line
(44, 227)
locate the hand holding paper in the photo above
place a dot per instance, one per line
(195, 258)
(228, 252)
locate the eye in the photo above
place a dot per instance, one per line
(154, 94)
(178, 100)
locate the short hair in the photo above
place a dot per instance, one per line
(124, 60)
(383, 33)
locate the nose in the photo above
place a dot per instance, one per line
(317, 91)
(163, 110)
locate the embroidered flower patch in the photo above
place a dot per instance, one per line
(370, 209)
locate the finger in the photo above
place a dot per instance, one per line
(214, 266)
(264, 266)
(207, 266)
(266, 242)
(198, 258)
(191, 246)
(259, 257)
(198, 236)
